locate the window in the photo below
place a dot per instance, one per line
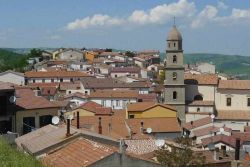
(43, 80)
(174, 76)
(52, 80)
(229, 101)
(174, 59)
(115, 76)
(34, 81)
(117, 103)
(174, 44)
(71, 79)
(198, 109)
(174, 95)
(169, 45)
(248, 101)
(131, 116)
(61, 80)
(69, 92)
(86, 92)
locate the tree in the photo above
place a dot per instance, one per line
(130, 54)
(161, 76)
(180, 156)
(35, 53)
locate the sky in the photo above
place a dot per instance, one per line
(207, 26)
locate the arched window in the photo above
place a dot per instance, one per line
(198, 97)
(174, 59)
(174, 76)
(174, 95)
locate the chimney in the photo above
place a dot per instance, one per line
(100, 126)
(110, 127)
(77, 120)
(237, 149)
(68, 128)
(141, 127)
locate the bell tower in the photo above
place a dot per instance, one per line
(174, 73)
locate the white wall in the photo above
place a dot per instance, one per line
(12, 78)
(193, 117)
(206, 68)
(209, 109)
(115, 103)
(207, 91)
(238, 100)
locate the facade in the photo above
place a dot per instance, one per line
(12, 77)
(69, 54)
(174, 73)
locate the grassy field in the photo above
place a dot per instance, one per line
(10, 157)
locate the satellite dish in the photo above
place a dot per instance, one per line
(159, 142)
(212, 116)
(149, 130)
(222, 130)
(55, 120)
(12, 99)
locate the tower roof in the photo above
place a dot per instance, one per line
(174, 34)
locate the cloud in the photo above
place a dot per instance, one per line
(222, 5)
(209, 13)
(94, 21)
(183, 9)
(162, 13)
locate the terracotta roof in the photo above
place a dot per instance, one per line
(201, 103)
(246, 128)
(36, 142)
(113, 126)
(209, 130)
(44, 74)
(151, 97)
(27, 99)
(76, 94)
(200, 79)
(161, 125)
(69, 85)
(96, 108)
(125, 70)
(39, 132)
(233, 115)
(110, 54)
(52, 84)
(81, 152)
(229, 140)
(141, 146)
(243, 136)
(46, 91)
(197, 123)
(114, 94)
(108, 83)
(6, 86)
(234, 84)
(142, 106)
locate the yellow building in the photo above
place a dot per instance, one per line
(89, 56)
(150, 110)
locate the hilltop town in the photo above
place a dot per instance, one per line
(99, 107)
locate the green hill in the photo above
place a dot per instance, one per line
(11, 61)
(229, 64)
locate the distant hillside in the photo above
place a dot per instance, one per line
(10, 60)
(229, 64)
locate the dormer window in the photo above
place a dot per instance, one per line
(174, 59)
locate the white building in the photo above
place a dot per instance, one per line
(12, 77)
